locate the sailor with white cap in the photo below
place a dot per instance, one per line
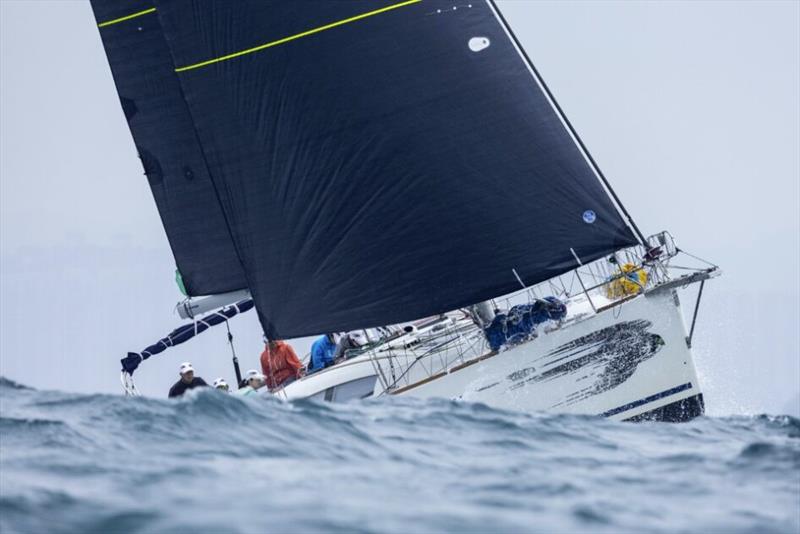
(221, 384)
(254, 381)
(187, 381)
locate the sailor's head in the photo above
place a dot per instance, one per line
(358, 339)
(186, 372)
(220, 383)
(254, 379)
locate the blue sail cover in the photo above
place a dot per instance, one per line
(168, 147)
(184, 333)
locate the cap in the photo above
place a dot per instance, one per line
(185, 368)
(358, 338)
(220, 382)
(252, 373)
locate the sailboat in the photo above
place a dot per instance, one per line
(401, 169)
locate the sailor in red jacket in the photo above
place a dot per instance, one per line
(280, 364)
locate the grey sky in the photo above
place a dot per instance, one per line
(690, 108)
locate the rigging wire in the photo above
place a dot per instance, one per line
(568, 124)
(697, 258)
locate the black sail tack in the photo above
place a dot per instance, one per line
(383, 160)
(168, 147)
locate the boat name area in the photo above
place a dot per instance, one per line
(604, 359)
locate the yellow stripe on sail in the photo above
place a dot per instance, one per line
(296, 36)
(128, 17)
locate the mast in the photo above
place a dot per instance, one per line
(567, 123)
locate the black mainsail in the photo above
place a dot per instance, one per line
(171, 155)
(372, 162)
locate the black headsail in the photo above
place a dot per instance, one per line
(383, 160)
(172, 157)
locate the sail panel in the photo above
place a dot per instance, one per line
(171, 155)
(381, 161)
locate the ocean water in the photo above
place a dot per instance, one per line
(216, 463)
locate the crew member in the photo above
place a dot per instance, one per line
(280, 364)
(322, 353)
(222, 385)
(349, 341)
(187, 381)
(254, 381)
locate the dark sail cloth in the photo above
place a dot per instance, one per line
(457, 170)
(180, 387)
(171, 155)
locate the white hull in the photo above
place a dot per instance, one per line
(627, 362)
(622, 363)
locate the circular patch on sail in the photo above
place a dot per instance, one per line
(476, 44)
(589, 216)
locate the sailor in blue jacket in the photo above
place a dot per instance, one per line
(322, 352)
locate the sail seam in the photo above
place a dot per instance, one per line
(127, 17)
(295, 36)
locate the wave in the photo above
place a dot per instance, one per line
(104, 462)
(7, 383)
